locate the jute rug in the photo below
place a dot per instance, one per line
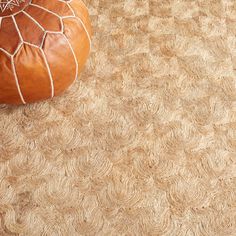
(144, 143)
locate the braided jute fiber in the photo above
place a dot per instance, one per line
(144, 142)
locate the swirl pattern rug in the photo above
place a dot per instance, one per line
(144, 143)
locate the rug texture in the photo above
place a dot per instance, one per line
(144, 143)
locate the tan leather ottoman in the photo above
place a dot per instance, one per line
(44, 45)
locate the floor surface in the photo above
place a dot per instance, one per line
(144, 143)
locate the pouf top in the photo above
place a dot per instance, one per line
(10, 7)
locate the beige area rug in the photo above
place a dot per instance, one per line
(144, 143)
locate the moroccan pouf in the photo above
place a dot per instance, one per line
(43, 47)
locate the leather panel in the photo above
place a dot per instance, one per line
(27, 26)
(32, 74)
(55, 6)
(46, 19)
(82, 12)
(9, 38)
(61, 61)
(80, 44)
(9, 93)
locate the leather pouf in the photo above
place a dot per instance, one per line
(43, 47)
